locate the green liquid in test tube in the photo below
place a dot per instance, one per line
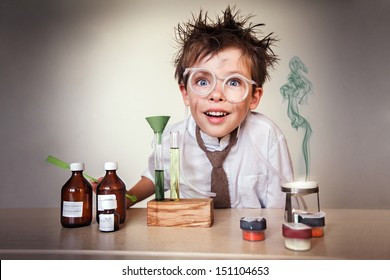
(159, 185)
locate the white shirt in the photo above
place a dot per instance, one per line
(255, 167)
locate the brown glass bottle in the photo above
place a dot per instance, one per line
(111, 185)
(76, 199)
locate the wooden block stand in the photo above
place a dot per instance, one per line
(187, 212)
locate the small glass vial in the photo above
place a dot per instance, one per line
(314, 220)
(76, 199)
(297, 236)
(111, 186)
(109, 218)
(253, 229)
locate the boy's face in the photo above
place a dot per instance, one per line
(214, 114)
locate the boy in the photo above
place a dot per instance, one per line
(221, 67)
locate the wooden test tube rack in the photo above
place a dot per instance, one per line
(187, 212)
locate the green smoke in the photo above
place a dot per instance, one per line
(296, 91)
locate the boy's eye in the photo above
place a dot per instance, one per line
(234, 82)
(202, 82)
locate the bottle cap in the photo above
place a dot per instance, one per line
(111, 165)
(109, 204)
(255, 224)
(76, 166)
(174, 139)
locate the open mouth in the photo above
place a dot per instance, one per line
(216, 114)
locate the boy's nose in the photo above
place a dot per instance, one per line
(216, 94)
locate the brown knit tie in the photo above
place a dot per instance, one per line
(219, 182)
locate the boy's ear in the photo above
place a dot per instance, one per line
(256, 97)
(184, 94)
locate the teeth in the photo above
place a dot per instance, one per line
(216, 114)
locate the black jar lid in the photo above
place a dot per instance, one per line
(253, 223)
(312, 219)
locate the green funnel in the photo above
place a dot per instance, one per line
(158, 123)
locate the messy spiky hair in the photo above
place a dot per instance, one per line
(201, 37)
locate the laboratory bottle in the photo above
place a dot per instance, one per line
(76, 199)
(109, 218)
(111, 186)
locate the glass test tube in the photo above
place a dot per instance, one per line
(175, 166)
(159, 166)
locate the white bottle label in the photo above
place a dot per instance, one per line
(72, 209)
(102, 197)
(106, 222)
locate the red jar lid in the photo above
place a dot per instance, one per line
(296, 230)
